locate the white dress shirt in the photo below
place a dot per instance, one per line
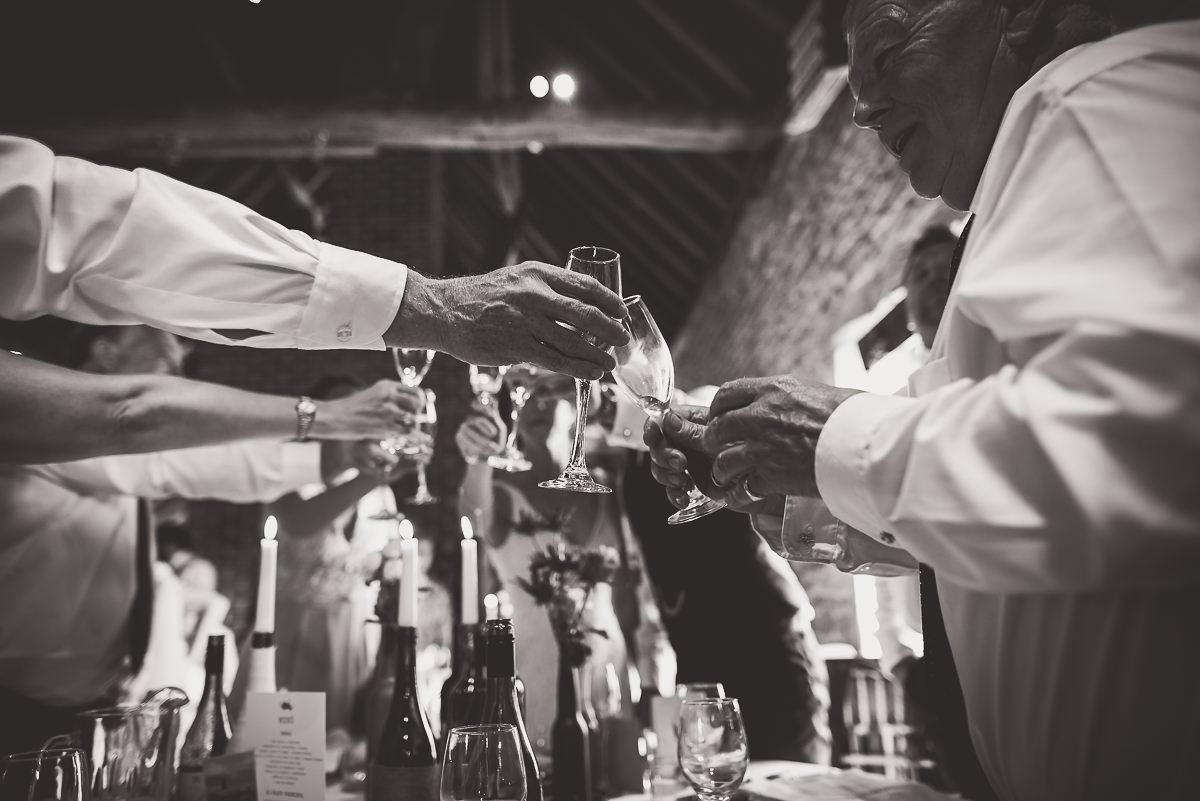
(108, 246)
(68, 541)
(1045, 462)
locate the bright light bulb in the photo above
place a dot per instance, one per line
(564, 86)
(539, 86)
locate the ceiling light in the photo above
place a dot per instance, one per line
(564, 86)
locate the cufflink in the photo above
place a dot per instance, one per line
(887, 538)
(344, 332)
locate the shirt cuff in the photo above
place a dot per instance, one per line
(355, 297)
(627, 426)
(300, 465)
(843, 460)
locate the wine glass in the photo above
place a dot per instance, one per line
(519, 378)
(411, 365)
(483, 763)
(605, 266)
(698, 691)
(423, 446)
(646, 373)
(57, 774)
(712, 747)
(486, 383)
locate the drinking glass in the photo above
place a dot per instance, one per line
(699, 691)
(483, 763)
(423, 445)
(411, 365)
(646, 372)
(485, 383)
(605, 266)
(56, 774)
(519, 378)
(712, 747)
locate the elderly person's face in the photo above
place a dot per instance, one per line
(933, 78)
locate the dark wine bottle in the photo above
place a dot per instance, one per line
(462, 694)
(500, 703)
(571, 738)
(404, 766)
(210, 733)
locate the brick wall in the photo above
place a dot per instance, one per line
(381, 206)
(821, 241)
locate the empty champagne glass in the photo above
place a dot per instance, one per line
(519, 378)
(483, 763)
(56, 774)
(604, 265)
(423, 446)
(411, 365)
(646, 373)
(713, 753)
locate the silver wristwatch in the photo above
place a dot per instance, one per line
(306, 413)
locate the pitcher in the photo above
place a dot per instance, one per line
(131, 748)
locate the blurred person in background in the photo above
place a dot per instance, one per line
(77, 543)
(515, 516)
(735, 613)
(320, 625)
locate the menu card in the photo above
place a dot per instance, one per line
(286, 731)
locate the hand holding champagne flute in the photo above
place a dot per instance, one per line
(604, 265)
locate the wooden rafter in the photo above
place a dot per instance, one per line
(347, 133)
(697, 48)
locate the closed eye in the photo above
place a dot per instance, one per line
(884, 58)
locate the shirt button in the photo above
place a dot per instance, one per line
(887, 538)
(627, 433)
(344, 332)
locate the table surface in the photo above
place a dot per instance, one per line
(780, 781)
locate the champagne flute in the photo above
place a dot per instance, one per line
(519, 378)
(423, 446)
(56, 773)
(712, 747)
(605, 266)
(486, 383)
(411, 365)
(646, 373)
(483, 763)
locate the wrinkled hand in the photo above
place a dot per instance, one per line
(482, 433)
(511, 315)
(383, 409)
(680, 448)
(765, 431)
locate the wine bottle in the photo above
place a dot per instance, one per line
(500, 703)
(571, 737)
(462, 694)
(381, 686)
(210, 733)
(404, 765)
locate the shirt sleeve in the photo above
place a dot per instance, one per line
(109, 246)
(245, 472)
(1063, 456)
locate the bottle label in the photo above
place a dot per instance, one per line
(402, 784)
(190, 783)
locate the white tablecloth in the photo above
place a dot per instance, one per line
(799, 781)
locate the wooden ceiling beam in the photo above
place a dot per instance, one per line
(700, 50)
(349, 133)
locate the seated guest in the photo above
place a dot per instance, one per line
(76, 549)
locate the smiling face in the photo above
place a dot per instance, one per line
(933, 78)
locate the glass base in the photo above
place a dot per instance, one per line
(421, 499)
(510, 462)
(385, 515)
(695, 511)
(575, 479)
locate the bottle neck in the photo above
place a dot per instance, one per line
(569, 689)
(465, 645)
(406, 661)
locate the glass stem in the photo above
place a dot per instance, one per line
(514, 416)
(583, 393)
(422, 485)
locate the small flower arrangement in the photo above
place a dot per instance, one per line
(561, 578)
